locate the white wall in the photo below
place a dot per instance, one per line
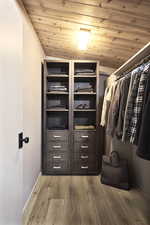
(108, 70)
(10, 113)
(20, 110)
(32, 58)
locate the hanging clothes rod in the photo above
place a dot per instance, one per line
(145, 60)
(134, 60)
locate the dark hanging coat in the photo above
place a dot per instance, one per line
(143, 149)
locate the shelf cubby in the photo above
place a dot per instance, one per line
(85, 118)
(85, 68)
(57, 93)
(57, 120)
(89, 102)
(57, 68)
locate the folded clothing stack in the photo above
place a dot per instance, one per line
(82, 106)
(57, 88)
(84, 127)
(90, 89)
(84, 72)
(61, 106)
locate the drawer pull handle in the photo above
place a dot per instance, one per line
(56, 157)
(84, 136)
(56, 167)
(57, 146)
(84, 167)
(57, 136)
(84, 146)
(84, 157)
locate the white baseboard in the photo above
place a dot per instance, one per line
(28, 200)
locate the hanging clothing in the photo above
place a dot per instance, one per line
(123, 100)
(129, 109)
(109, 92)
(143, 149)
(138, 106)
(117, 108)
(114, 110)
(133, 89)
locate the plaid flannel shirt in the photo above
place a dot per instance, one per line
(138, 105)
(133, 89)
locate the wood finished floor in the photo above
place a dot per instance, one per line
(83, 200)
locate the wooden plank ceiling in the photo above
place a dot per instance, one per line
(119, 28)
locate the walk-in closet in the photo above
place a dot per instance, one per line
(75, 112)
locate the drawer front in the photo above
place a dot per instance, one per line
(85, 157)
(57, 136)
(58, 146)
(84, 148)
(57, 156)
(85, 136)
(84, 166)
(57, 166)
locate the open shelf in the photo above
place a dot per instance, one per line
(84, 68)
(84, 129)
(84, 110)
(85, 76)
(57, 110)
(85, 93)
(88, 118)
(57, 120)
(84, 102)
(57, 102)
(57, 68)
(57, 76)
(57, 93)
(57, 85)
(84, 86)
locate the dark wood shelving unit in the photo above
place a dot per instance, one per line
(63, 150)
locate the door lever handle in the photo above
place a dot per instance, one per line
(26, 140)
(22, 140)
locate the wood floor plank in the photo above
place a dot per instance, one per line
(104, 208)
(83, 200)
(55, 212)
(72, 209)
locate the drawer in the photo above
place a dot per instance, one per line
(85, 148)
(81, 166)
(57, 136)
(57, 166)
(58, 146)
(85, 136)
(85, 157)
(57, 156)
